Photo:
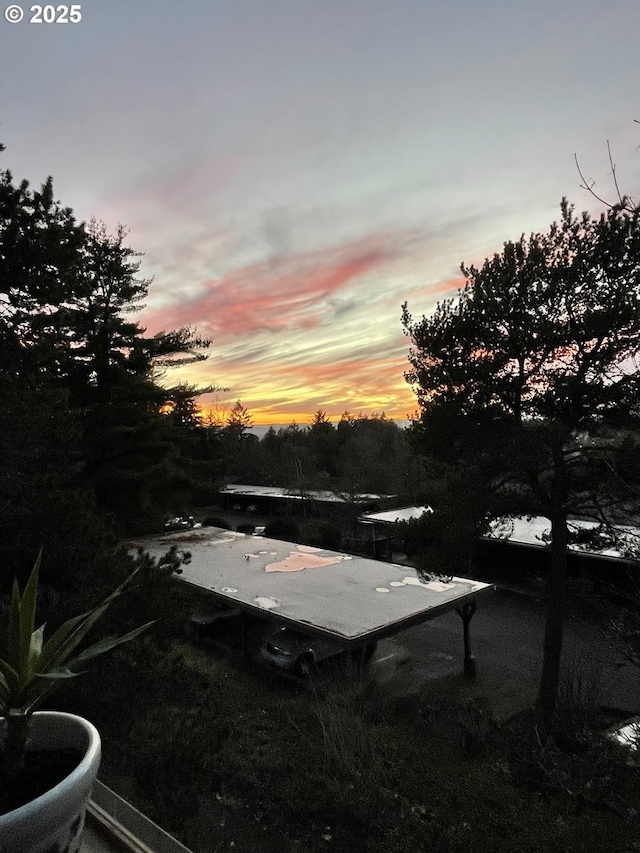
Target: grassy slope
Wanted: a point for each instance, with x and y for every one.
(216, 753)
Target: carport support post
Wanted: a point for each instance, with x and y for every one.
(356, 664)
(245, 635)
(465, 612)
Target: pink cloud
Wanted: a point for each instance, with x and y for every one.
(273, 295)
(280, 374)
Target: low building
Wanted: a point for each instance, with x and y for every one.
(378, 529)
(279, 500)
(519, 547)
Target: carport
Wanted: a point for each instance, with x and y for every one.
(381, 526)
(353, 601)
(274, 500)
(602, 554)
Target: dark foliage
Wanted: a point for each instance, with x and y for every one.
(230, 757)
(217, 521)
(529, 378)
(283, 528)
(88, 448)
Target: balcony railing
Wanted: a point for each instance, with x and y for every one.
(114, 826)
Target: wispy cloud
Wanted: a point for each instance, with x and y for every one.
(359, 376)
(277, 294)
(318, 329)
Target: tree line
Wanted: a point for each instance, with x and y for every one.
(359, 454)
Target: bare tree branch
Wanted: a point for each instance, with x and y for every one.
(624, 201)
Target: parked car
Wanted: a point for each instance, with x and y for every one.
(295, 652)
(180, 523)
(211, 619)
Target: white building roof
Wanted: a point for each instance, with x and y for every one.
(407, 513)
(293, 494)
(535, 531)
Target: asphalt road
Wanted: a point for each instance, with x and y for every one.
(506, 641)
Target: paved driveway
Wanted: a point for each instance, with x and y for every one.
(506, 640)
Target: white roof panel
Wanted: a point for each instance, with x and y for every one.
(535, 531)
(293, 494)
(352, 599)
(390, 516)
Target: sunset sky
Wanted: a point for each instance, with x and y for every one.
(294, 170)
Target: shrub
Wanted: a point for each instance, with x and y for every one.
(320, 534)
(330, 537)
(283, 528)
(216, 521)
(246, 527)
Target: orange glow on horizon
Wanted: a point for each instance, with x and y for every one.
(262, 418)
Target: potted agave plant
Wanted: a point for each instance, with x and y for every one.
(48, 760)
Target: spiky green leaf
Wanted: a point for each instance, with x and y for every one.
(56, 674)
(13, 627)
(106, 645)
(9, 676)
(31, 667)
(28, 616)
(68, 637)
(35, 651)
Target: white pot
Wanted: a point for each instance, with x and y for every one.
(53, 822)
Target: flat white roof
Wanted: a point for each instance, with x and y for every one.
(628, 734)
(351, 599)
(390, 516)
(535, 531)
(293, 494)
